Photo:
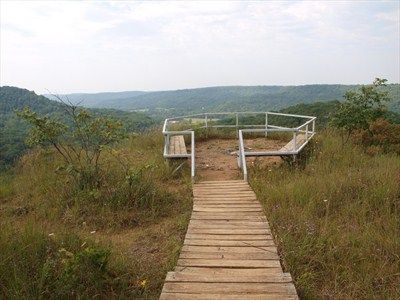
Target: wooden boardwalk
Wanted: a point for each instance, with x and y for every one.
(228, 251)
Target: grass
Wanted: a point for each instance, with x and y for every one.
(336, 220)
(126, 233)
(335, 217)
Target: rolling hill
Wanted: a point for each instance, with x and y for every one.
(13, 130)
(97, 99)
(229, 98)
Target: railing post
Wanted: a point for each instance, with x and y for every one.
(237, 124)
(242, 155)
(266, 124)
(307, 132)
(239, 160)
(206, 120)
(167, 140)
(193, 156)
(313, 126)
(294, 140)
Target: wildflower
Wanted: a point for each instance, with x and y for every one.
(94, 231)
(51, 234)
(325, 200)
(142, 283)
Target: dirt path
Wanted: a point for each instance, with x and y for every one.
(216, 159)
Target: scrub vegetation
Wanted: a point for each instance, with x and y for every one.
(117, 238)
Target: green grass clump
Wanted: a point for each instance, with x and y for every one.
(36, 265)
(337, 220)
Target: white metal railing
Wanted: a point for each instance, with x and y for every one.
(302, 133)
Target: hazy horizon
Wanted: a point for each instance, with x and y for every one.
(216, 86)
(114, 46)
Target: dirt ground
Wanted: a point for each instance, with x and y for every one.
(216, 159)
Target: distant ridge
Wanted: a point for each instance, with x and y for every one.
(222, 98)
(95, 99)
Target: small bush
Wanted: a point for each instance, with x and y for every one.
(381, 137)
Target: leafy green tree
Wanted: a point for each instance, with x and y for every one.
(361, 107)
(80, 141)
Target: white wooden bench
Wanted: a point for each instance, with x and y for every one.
(177, 145)
(300, 139)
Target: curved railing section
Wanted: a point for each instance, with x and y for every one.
(301, 134)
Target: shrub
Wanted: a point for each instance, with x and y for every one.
(362, 107)
(381, 136)
(80, 143)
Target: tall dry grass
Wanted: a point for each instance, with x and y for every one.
(337, 220)
(53, 230)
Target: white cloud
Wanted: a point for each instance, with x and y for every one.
(72, 46)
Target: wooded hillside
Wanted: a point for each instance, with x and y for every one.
(13, 130)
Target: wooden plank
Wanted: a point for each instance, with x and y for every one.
(226, 201)
(223, 201)
(221, 249)
(227, 217)
(188, 277)
(226, 209)
(228, 237)
(248, 223)
(177, 145)
(232, 213)
(229, 271)
(226, 205)
(227, 225)
(222, 181)
(228, 288)
(224, 197)
(259, 243)
(239, 256)
(217, 224)
(207, 228)
(248, 215)
(213, 296)
(223, 193)
(231, 263)
(300, 139)
(223, 187)
(228, 231)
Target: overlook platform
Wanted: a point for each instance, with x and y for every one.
(246, 124)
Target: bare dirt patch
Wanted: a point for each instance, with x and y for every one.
(216, 159)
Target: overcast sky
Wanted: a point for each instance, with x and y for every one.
(114, 46)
